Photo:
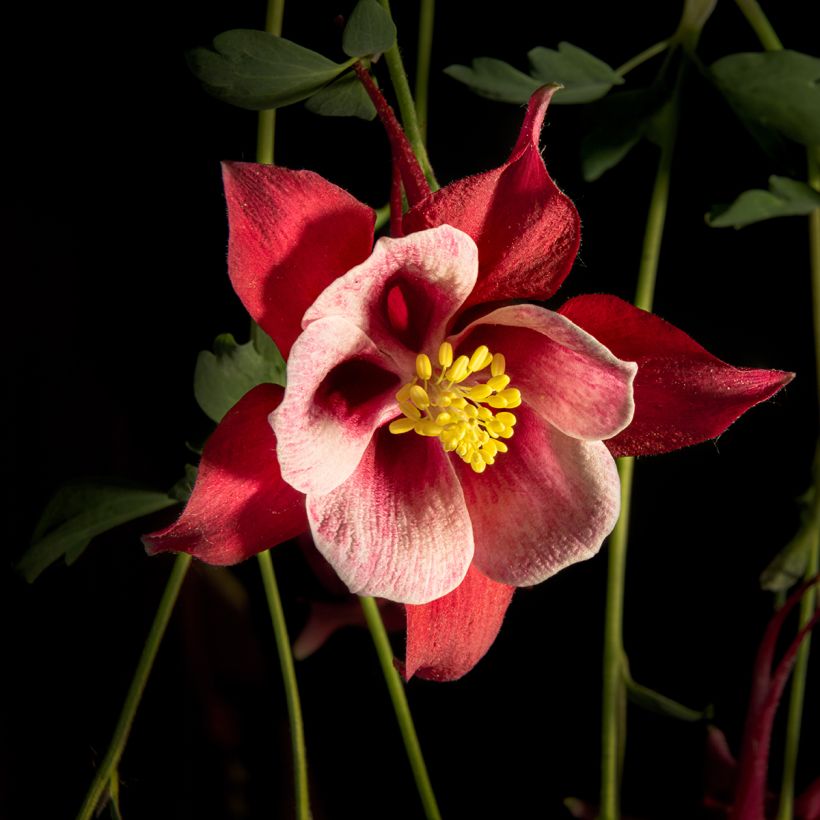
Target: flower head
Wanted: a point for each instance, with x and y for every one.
(443, 447)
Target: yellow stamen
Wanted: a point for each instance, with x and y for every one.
(453, 405)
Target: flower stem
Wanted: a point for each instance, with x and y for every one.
(112, 757)
(427, 14)
(297, 733)
(395, 687)
(614, 677)
(407, 107)
(757, 19)
(267, 119)
(643, 57)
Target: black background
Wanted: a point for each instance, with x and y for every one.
(116, 279)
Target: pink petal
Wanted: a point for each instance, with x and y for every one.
(341, 387)
(398, 527)
(292, 233)
(404, 295)
(807, 805)
(240, 506)
(527, 231)
(449, 636)
(545, 504)
(563, 373)
(683, 394)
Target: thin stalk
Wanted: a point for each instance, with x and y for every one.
(102, 779)
(407, 107)
(643, 57)
(614, 689)
(757, 19)
(267, 119)
(297, 729)
(395, 687)
(427, 14)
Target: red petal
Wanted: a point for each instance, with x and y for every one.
(448, 637)
(240, 505)
(807, 805)
(526, 230)
(683, 394)
(292, 233)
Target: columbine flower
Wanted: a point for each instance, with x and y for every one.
(441, 451)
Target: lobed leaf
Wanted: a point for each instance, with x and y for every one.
(585, 78)
(785, 197)
(344, 97)
(369, 31)
(495, 80)
(256, 70)
(221, 378)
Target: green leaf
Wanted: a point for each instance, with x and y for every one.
(257, 70)
(495, 80)
(654, 701)
(585, 78)
(221, 378)
(785, 197)
(344, 97)
(621, 121)
(789, 565)
(777, 89)
(369, 31)
(80, 511)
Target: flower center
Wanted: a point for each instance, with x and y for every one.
(451, 404)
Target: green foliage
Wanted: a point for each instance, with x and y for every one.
(221, 378)
(785, 197)
(80, 511)
(183, 488)
(344, 97)
(369, 31)
(774, 89)
(654, 701)
(256, 70)
(584, 78)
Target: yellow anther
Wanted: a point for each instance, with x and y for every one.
(427, 427)
(511, 394)
(459, 370)
(500, 446)
(419, 397)
(404, 393)
(410, 410)
(490, 447)
(507, 432)
(486, 456)
(402, 425)
(514, 403)
(498, 383)
(507, 419)
(443, 418)
(497, 401)
(484, 413)
(480, 392)
(459, 403)
(471, 411)
(424, 367)
(478, 357)
(498, 365)
(478, 464)
(445, 354)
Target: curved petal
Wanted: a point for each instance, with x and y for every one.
(240, 505)
(398, 527)
(341, 387)
(449, 636)
(404, 295)
(545, 504)
(527, 231)
(291, 234)
(563, 373)
(683, 394)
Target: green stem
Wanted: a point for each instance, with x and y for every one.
(297, 732)
(643, 57)
(407, 107)
(760, 23)
(112, 757)
(757, 19)
(614, 689)
(267, 119)
(395, 687)
(427, 14)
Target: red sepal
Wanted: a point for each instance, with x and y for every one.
(240, 505)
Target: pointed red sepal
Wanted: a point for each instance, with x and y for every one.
(683, 394)
(448, 637)
(527, 231)
(240, 505)
(291, 234)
